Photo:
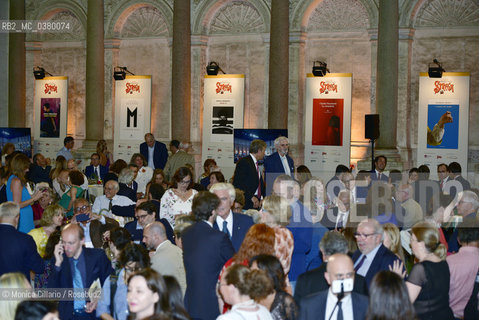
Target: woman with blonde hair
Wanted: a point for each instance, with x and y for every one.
(392, 240)
(11, 281)
(276, 213)
(428, 282)
(106, 158)
(158, 177)
(18, 192)
(51, 220)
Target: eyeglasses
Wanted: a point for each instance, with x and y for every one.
(364, 235)
(130, 269)
(80, 209)
(185, 182)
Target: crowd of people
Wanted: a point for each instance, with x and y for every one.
(273, 242)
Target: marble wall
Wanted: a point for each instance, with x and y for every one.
(236, 35)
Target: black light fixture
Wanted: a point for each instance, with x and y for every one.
(435, 71)
(320, 68)
(39, 73)
(119, 73)
(212, 69)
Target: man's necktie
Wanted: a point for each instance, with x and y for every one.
(225, 229)
(379, 176)
(78, 304)
(259, 181)
(110, 205)
(340, 311)
(97, 173)
(358, 266)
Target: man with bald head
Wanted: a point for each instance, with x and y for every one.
(77, 268)
(372, 255)
(167, 258)
(329, 305)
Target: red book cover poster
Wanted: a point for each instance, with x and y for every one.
(328, 122)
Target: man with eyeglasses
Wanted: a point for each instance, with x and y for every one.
(372, 255)
(93, 225)
(329, 305)
(146, 213)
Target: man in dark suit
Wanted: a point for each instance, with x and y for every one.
(19, 251)
(248, 177)
(278, 163)
(313, 281)
(452, 186)
(205, 251)
(235, 225)
(146, 213)
(77, 268)
(154, 152)
(372, 255)
(336, 218)
(40, 169)
(334, 185)
(377, 174)
(330, 305)
(95, 170)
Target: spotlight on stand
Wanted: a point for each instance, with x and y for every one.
(212, 69)
(119, 73)
(39, 73)
(435, 71)
(320, 68)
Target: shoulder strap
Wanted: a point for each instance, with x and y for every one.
(113, 286)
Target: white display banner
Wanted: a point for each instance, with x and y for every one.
(132, 115)
(223, 111)
(50, 106)
(443, 120)
(328, 123)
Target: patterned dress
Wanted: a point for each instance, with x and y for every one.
(172, 206)
(283, 247)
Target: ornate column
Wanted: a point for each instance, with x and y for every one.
(181, 72)
(95, 68)
(112, 48)
(296, 96)
(387, 73)
(16, 69)
(278, 65)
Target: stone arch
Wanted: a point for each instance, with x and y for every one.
(58, 10)
(209, 11)
(443, 13)
(303, 12)
(119, 16)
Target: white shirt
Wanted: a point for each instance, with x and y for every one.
(102, 203)
(151, 150)
(143, 177)
(229, 220)
(86, 231)
(367, 262)
(284, 160)
(344, 216)
(346, 306)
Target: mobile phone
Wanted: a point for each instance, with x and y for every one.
(345, 285)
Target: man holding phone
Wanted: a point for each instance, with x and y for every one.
(338, 302)
(78, 268)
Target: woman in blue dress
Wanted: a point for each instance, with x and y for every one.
(17, 191)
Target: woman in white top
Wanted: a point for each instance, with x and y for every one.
(178, 199)
(240, 287)
(144, 173)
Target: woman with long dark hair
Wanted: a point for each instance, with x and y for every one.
(389, 299)
(147, 295)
